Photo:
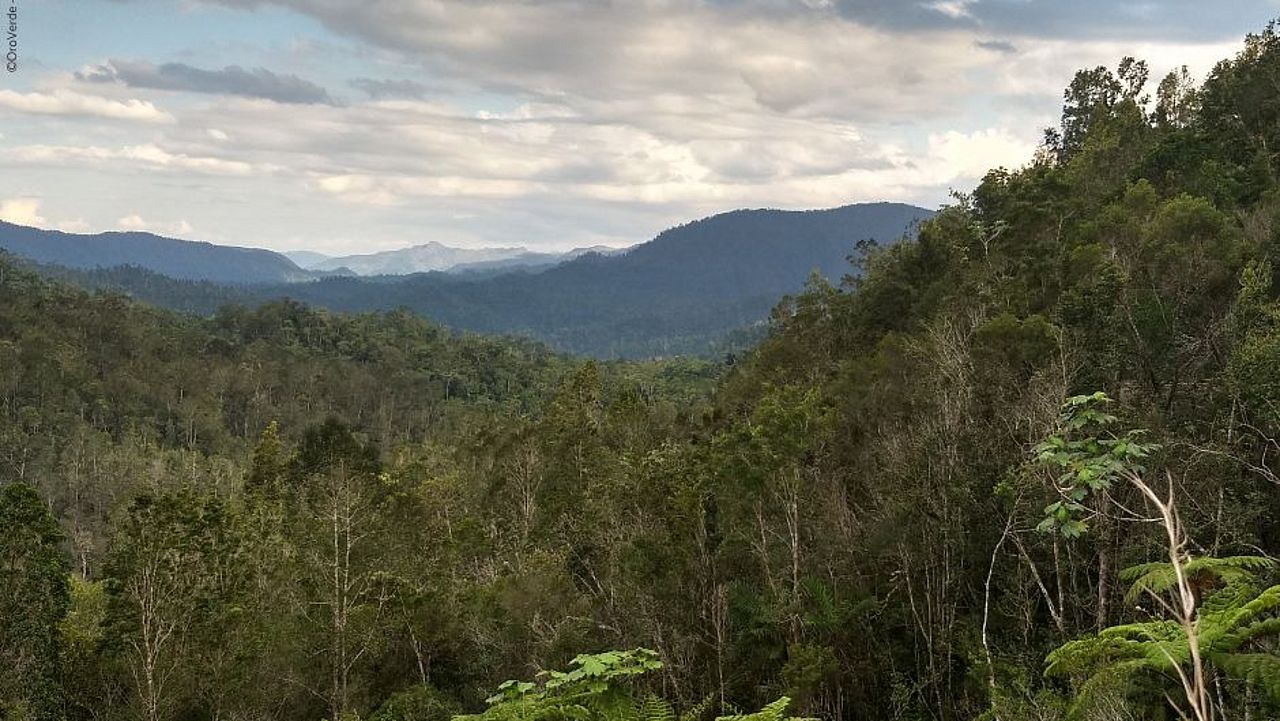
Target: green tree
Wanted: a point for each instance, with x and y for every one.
(33, 574)
(175, 575)
(341, 588)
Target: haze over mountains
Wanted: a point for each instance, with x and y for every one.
(433, 256)
(305, 258)
(680, 293)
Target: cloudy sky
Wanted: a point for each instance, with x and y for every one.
(361, 125)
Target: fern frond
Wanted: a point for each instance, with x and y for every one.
(1160, 577)
(1224, 602)
(1233, 639)
(1265, 602)
(1151, 644)
(1154, 578)
(1231, 615)
(1159, 630)
(1118, 679)
(776, 711)
(653, 708)
(1132, 573)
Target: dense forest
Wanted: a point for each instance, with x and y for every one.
(1024, 467)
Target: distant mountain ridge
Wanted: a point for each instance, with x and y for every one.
(434, 256)
(182, 259)
(199, 260)
(679, 293)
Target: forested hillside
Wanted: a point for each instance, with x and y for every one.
(680, 293)
(1021, 468)
(180, 259)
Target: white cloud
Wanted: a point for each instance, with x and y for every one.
(73, 226)
(762, 52)
(28, 212)
(567, 121)
(132, 222)
(970, 155)
(135, 222)
(66, 102)
(22, 211)
(149, 155)
(374, 190)
(954, 9)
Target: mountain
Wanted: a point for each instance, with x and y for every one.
(434, 256)
(680, 293)
(182, 259)
(416, 259)
(530, 261)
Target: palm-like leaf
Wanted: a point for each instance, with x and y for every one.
(596, 688)
(1232, 617)
(1160, 577)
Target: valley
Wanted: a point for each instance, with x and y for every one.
(1014, 458)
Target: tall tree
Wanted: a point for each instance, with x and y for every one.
(175, 574)
(34, 600)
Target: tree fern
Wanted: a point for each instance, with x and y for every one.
(594, 688)
(597, 688)
(1160, 578)
(1231, 618)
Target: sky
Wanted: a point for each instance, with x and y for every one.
(349, 126)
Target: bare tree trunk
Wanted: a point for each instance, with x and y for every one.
(720, 622)
(1058, 578)
(155, 631)
(335, 690)
(1196, 685)
(986, 613)
(1104, 581)
(793, 537)
(1054, 611)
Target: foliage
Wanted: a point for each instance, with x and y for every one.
(594, 687)
(419, 703)
(601, 686)
(1235, 621)
(33, 574)
(1083, 463)
(775, 711)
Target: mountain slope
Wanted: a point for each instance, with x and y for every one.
(678, 294)
(183, 259)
